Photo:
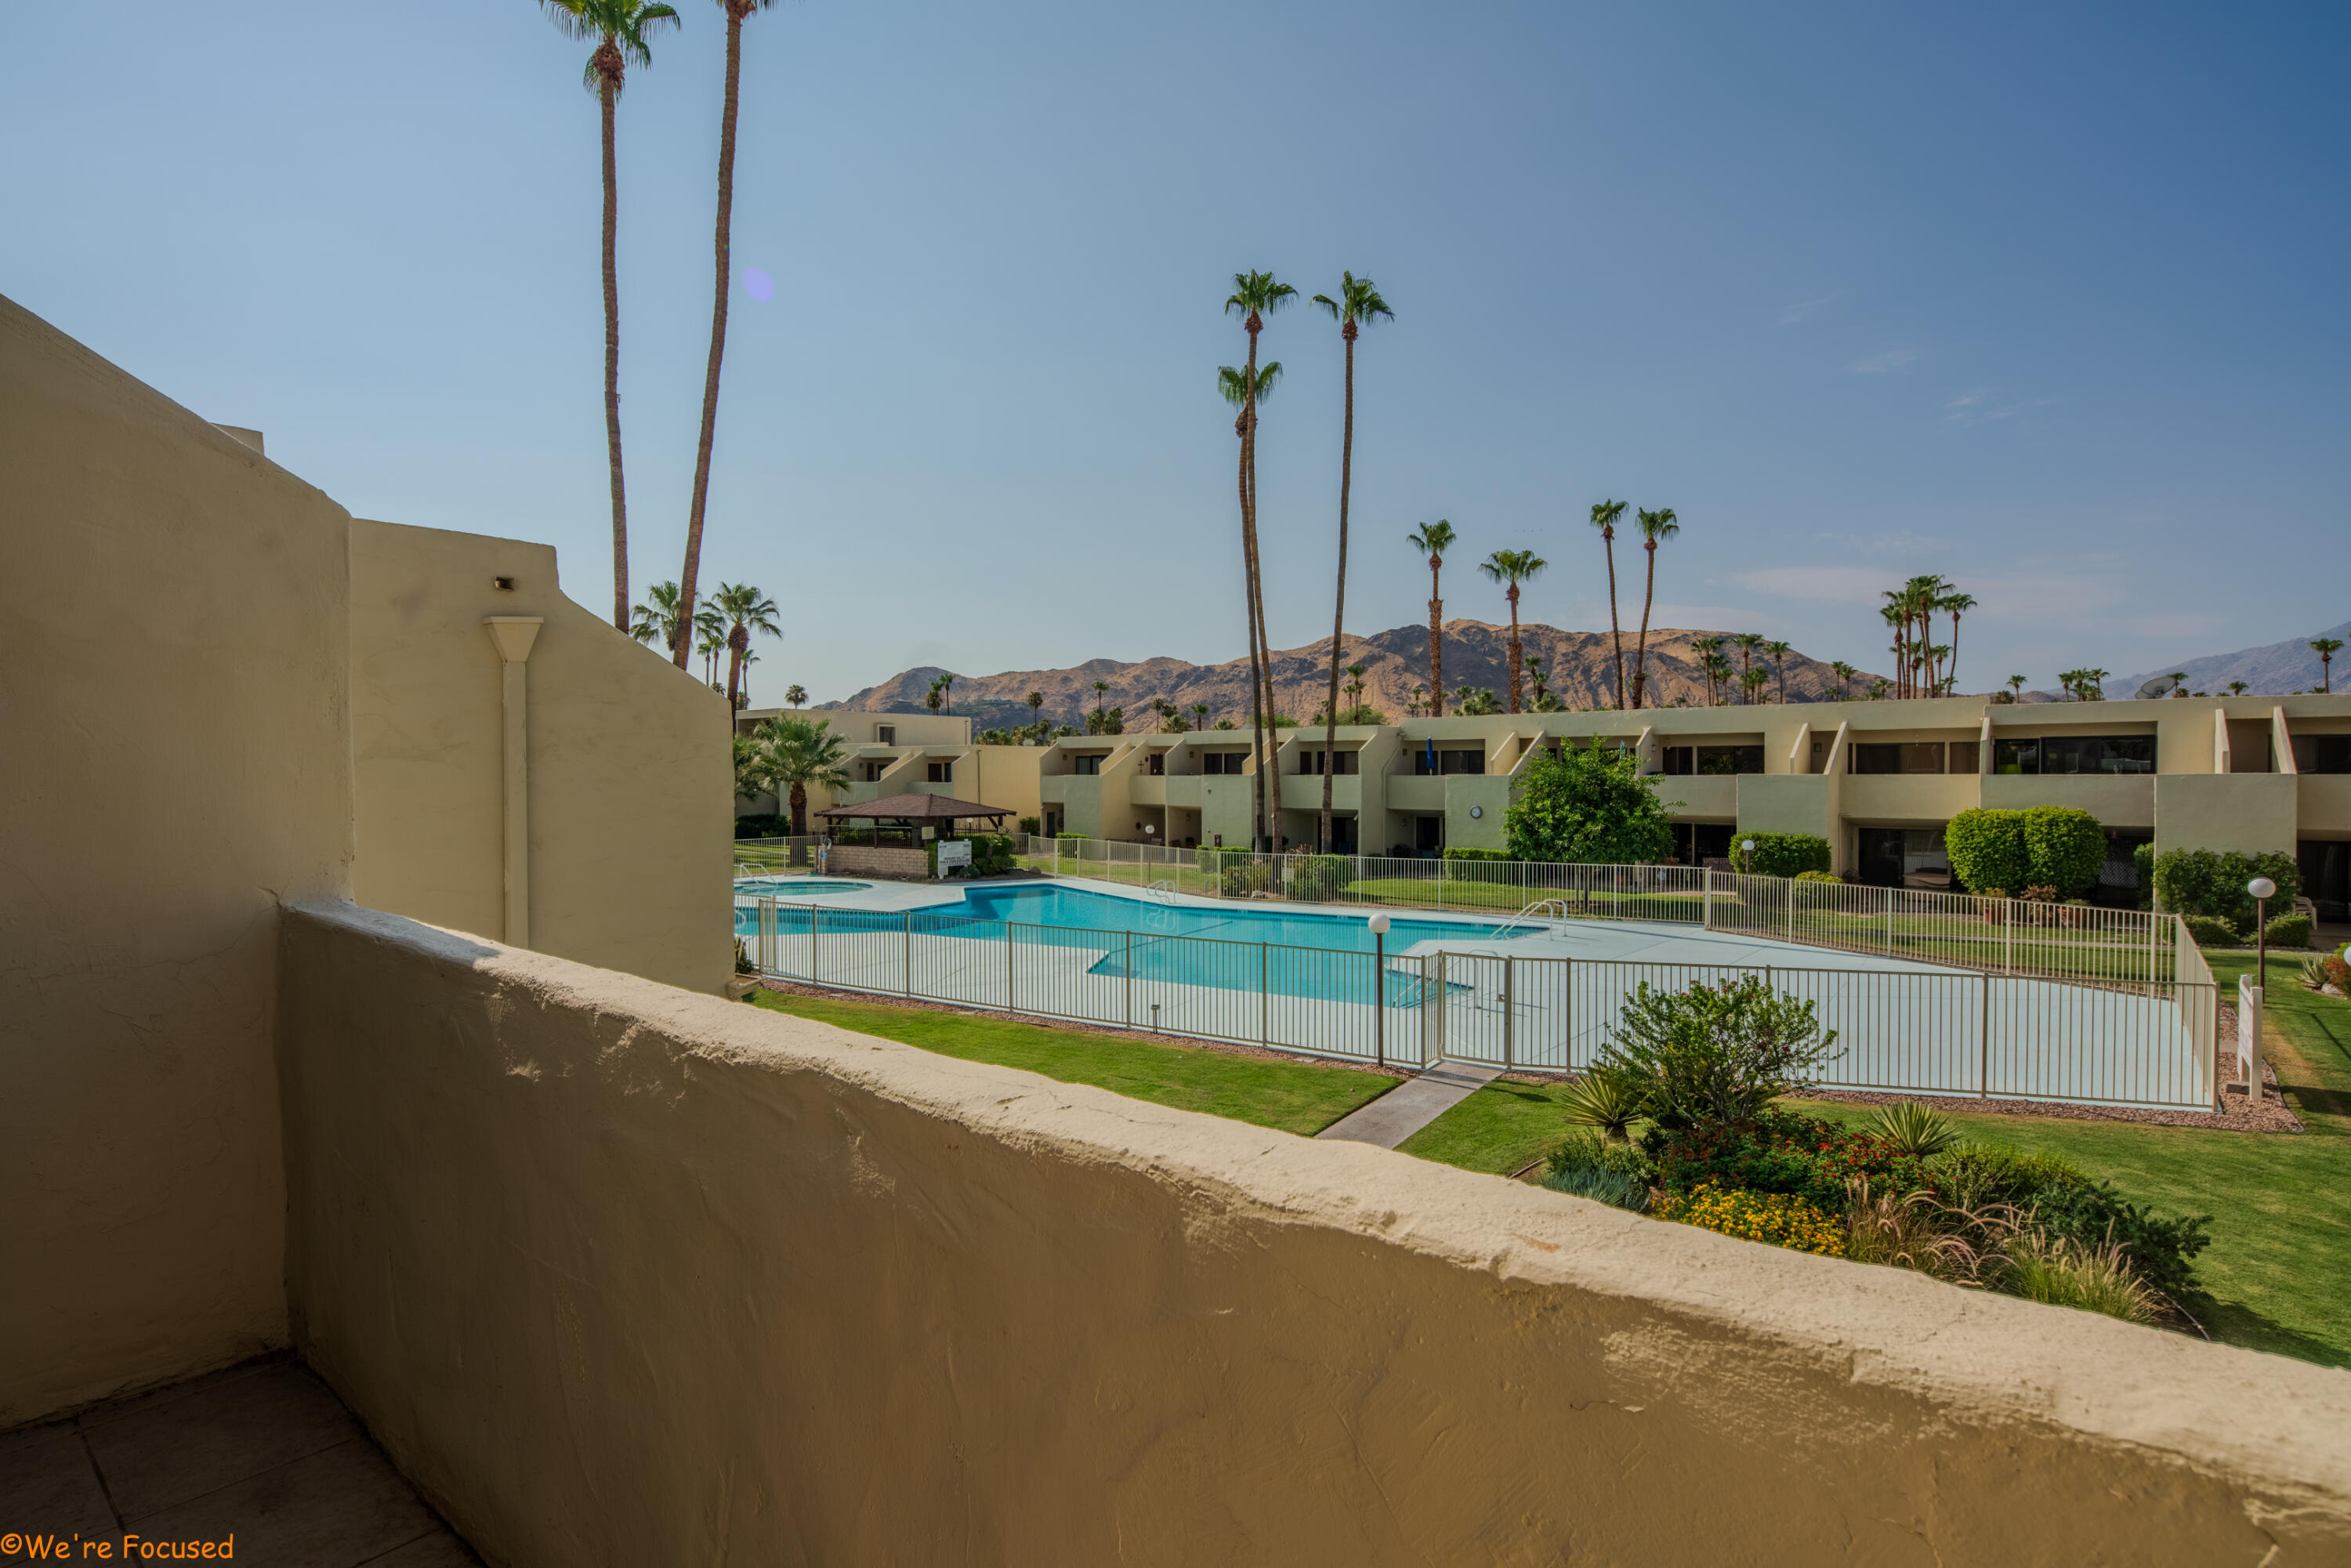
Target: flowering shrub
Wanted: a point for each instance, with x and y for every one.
(1779, 1219)
(1779, 1152)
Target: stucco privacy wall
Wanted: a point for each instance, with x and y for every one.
(623, 1274)
(631, 781)
(172, 679)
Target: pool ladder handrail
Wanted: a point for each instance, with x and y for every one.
(1162, 889)
(1504, 928)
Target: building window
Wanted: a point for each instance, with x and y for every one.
(2016, 757)
(886, 735)
(1158, 764)
(1711, 759)
(1087, 765)
(1426, 762)
(941, 772)
(1224, 762)
(1342, 762)
(2097, 754)
(2321, 753)
(873, 772)
(1903, 757)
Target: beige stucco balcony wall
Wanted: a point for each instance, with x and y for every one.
(1915, 799)
(2118, 801)
(628, 813)
(1700, 796)
(2323, 805)
(175, 670)
(621, 1274)
(2250, 812)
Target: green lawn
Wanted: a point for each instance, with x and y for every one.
(1293, 1096)
(2279, 1269)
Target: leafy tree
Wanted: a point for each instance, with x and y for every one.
(1714, 1055)
(799, 753)
(1358, 306)
(736, 10)
(2213, 882)
(1779, 855)
(752, 768)
(1586, 805)
(2006, 852)
(620, 28)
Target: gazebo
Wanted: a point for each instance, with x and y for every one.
(895, 847)
(912, 813)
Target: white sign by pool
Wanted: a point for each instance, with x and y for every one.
(954, 853)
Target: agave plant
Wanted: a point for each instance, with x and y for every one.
(1613, 1187)
(1914, 1129)
(1604, 1101)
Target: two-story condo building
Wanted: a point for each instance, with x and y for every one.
(1878, 779)
(906, 754)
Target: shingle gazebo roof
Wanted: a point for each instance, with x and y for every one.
(917, 808)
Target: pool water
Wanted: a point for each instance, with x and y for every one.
(1044, 904)
(796, 886)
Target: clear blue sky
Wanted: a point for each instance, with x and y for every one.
(2051, 299)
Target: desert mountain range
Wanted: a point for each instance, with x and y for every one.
(1578, 665)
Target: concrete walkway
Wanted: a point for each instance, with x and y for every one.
(1412, 1104)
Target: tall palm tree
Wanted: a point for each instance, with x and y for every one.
(1256, 296)
(1755, 681)
(709, 642)
(1707, 649)
(1433, 539)
(1199, 716)
(1778, 654)
(2236, 688)
(745, 610)
(1512, 567)
(620, 28)
(1358, 306)
(799, 753)
(1718, 679)
(1845, 674)
(2326, 648)
(947, 688)
(2015, 687)
(1604, 518)
(1955, 605)
(796, 696)
(1893, 613)
(736, 10)
(1656, 528)
(656, 619)
(1037, 709)
(1100, 687)
(1747, 643)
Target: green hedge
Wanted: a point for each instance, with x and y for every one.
(1779, 855)
(2288, 931)
(2213, 882)
(2212, 931)
(1454, 855)
(762, 827)
(2005, 853)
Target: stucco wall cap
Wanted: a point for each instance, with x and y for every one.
(1729, 1319)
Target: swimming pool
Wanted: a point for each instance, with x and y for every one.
(1039, 903)
(797, 886)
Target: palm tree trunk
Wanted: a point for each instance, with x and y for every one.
(1514, 647)
(1954, 666)
(612, 365)
(1339, 610)
(1259, 831)
(1641, 654)
(722, 266)
(1436, 644)
(800, 809)
(1615, 632)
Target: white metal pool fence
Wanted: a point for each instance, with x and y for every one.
(2078, 943)
(1998, 1036)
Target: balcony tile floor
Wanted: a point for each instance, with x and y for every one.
(262, 1450)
